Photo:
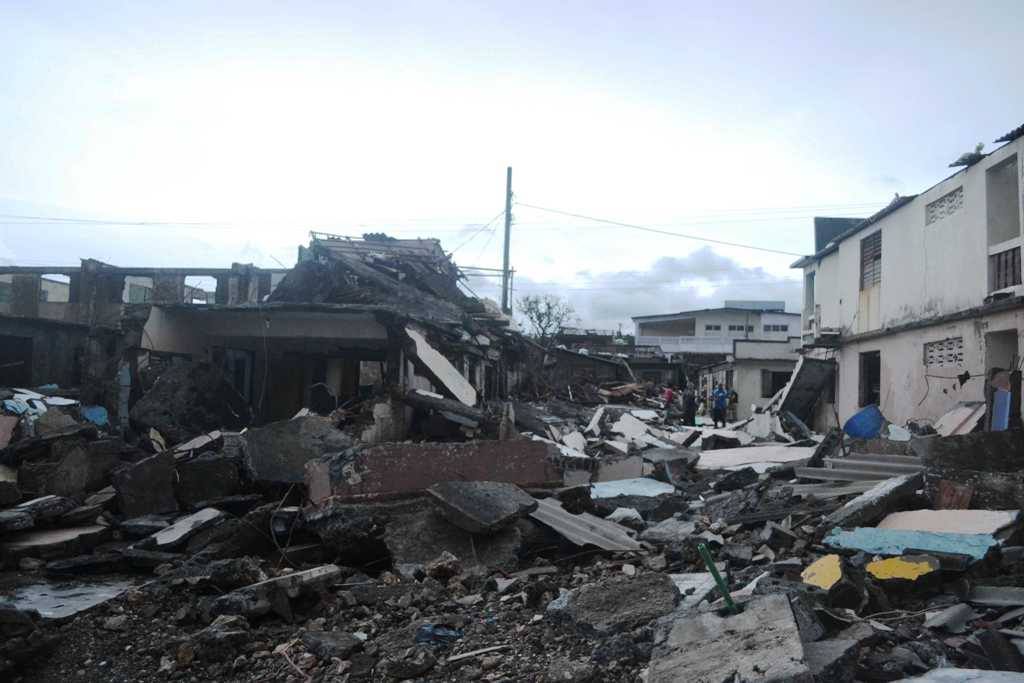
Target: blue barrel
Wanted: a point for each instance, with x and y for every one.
(865, 424)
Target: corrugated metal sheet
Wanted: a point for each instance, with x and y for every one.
(583, 529)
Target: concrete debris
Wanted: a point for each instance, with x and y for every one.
(481, 507)
(762, 643)
(147, 486)
(278, 452)
(584, 528)
(875, 503)
(616, 604)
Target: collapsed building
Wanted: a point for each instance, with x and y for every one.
(351, 470)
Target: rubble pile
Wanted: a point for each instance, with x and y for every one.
(567, 541)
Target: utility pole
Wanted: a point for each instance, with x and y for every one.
(506, 303)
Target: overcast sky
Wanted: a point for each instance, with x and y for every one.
(263, 121)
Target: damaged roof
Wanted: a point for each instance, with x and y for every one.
(1012, 135)
(413, 276)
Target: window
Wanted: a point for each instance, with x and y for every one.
(5, 292)
(772, 382)
(776, 328)
(1004, 269)
(946, 205)
(44, 295)
(712, 328)
(870, 378)
(735, 328)
(945, 353)
(871, 260)
(1002, 201)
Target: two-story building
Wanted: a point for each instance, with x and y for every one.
(713, 330)
(920, 302)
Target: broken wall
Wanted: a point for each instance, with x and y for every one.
(53, 351)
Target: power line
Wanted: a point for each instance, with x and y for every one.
(479, 230)
(657, 231)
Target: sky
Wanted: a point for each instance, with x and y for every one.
(201, 134)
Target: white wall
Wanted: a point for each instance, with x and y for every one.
(927, 270)
(911, 391)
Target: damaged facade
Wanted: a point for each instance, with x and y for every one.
(922, 302)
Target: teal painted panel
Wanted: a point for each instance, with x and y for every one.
(897, 541)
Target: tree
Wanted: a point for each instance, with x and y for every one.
(547, 315)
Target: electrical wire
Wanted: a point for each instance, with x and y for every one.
(658, 231)
(480, 230)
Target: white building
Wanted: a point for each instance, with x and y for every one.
(713, 330)
(920, 301)
(756, 369)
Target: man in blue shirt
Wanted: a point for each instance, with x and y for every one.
(719, 402)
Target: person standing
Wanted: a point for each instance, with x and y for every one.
(689, 407)
(719, 402)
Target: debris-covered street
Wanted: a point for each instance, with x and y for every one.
(576, 530)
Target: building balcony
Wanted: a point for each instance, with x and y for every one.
(688, 344)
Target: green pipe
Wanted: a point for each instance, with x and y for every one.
(722, 588)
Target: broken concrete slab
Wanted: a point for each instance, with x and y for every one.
(53, 543)
(481, 507)
(952, 619)
(440, 369)
(147, 486)
(832, 660)
(16, 520)
(575, 441)
(671, 530)
(401, 468)
(206, 477)
(809, 379)
(641, 486)
(140, 527)
(762, 644)
(693, 587)
(263, 597)
(897, 541)
(753, 455)
(183, 529)
(996, 596)
(953, 675)
(584, 528)
(278, 452)
(615, 605)
(876, 502)
(47, 508)
(954, 521)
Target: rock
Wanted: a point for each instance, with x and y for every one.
(219, 640)
(418, 536)
(616, 604)
(832, 660)
(671, 530)
(627, 517)
(53, 421)
(737, 479)
(443, 567)
(207, 477)
(273, 594)
(777, 538)
(147, 486)
(278, 452)
(570, 671)
(116, 623)
(189, 399)
(481, 507)
(16, 520)
(741, 554)
(329, 644)
(411, 663)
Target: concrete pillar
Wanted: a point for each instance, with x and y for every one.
(25, 295)
(168, 289)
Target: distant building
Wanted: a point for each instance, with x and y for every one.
(756, 370)
(713, 330)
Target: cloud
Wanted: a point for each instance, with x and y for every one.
(702, 279)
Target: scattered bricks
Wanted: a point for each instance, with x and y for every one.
(832, 660)
(481, 507)
(330, 644)
(762, 644)
(877, 502)
(396, 468)
(278, 452)
(777, 538)
(617, 604)
(147, 486)
(204, 478)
